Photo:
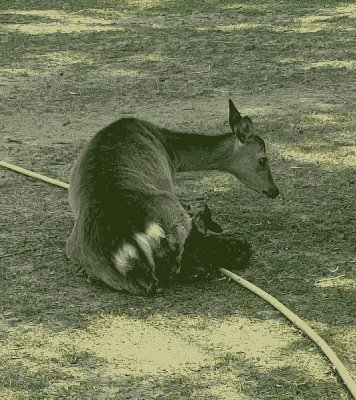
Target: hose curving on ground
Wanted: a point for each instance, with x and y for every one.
(303, 326)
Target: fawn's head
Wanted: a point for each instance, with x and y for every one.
(202, 221)
(249, 162)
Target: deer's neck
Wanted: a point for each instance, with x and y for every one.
(192, 152)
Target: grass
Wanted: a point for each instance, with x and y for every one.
(79, 65)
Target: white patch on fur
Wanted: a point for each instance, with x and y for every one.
(155, 231)
(150, 240)
(144, 244)
(123, 256)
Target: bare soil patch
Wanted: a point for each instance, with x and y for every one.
(69, 68)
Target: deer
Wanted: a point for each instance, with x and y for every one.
(129, 225)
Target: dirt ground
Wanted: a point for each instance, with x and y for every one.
(69, 68)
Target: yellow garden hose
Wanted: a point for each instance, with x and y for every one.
(27, 172)
(303, 326)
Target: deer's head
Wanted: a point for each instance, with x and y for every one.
(248, 161)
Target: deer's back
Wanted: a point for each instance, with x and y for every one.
(122, 167)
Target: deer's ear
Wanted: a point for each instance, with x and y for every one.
(234, 116)
(244, 129)
(241, 126)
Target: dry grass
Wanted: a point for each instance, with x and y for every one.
(68, 68)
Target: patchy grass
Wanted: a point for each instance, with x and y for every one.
(67, 69)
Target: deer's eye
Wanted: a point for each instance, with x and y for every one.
(262, 161)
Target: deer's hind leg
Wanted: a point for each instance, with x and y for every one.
(173, 222)
(106, 268)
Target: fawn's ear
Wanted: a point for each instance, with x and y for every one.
(241, 126)
(200, 225)
(203, 221)
(203, 225)
(214, 227)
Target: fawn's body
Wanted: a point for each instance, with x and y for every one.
(130, 227)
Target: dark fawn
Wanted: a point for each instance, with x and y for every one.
(205, 253)
(130, 227)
